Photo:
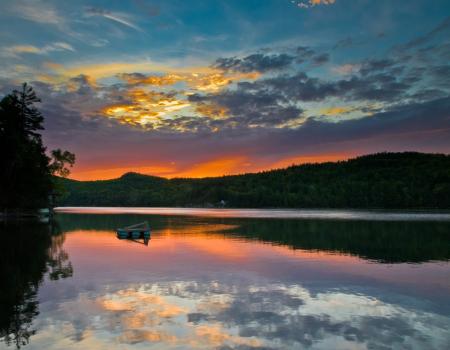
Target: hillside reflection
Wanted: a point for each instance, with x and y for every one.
(29, 251)
(381, 241)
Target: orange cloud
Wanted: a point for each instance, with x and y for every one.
(321, 2)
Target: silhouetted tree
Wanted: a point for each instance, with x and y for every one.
(60, 160)
(25, 169)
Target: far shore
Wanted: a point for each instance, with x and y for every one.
(321, 214)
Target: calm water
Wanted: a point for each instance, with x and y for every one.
(236, 280)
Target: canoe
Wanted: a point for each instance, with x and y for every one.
(141, 230)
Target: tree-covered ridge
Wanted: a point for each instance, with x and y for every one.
(383, 180)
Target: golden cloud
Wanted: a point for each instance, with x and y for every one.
(331, 111)
(311, 3)
(322, 2)
(146, 108)
(211, 111)
(205, 81)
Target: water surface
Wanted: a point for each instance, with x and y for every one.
(336, 214)
(212, 281)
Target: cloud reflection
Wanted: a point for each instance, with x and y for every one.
(239, 316)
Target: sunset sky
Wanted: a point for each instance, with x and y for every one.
(207, 88)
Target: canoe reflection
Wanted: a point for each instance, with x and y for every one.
(143, 241)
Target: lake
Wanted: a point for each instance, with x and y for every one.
(227, 279)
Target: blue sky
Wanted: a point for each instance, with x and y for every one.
(203, 88)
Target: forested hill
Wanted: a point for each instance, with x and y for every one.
(383, 180)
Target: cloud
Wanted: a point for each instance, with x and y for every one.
(37, 11)
(250, 109)
(321, 59)
(444, 26)
(376, 65)
(321, 2)
(346, 69)
(347, 43)
(117, 17)
(372, 84)
(16, 50)
(262, 108)
(148, 109)
(257, 62)
(304, 53)
(272, 62)
(338, 110)
(72, 123)
(210, 81)
(312, 3)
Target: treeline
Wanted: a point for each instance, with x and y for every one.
(383, 180)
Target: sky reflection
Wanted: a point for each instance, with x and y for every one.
(211, 315)
(201, 283)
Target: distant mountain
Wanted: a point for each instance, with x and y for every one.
(382, 180)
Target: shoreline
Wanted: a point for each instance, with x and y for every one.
(325, 214)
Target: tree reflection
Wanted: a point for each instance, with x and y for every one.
(28, 252)
(381, 241)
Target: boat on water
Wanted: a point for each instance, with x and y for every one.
(141, 230)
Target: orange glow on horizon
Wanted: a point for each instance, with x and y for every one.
(221, 166)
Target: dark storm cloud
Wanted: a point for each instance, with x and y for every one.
(257, 62)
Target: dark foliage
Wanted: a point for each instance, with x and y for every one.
(25, 180)
(384, 180)
(28, 251)
(25, 170)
